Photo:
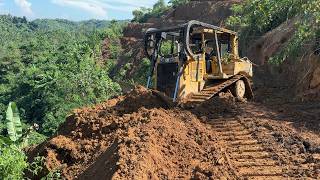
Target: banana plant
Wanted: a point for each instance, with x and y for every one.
(16, 135)
(13, 123)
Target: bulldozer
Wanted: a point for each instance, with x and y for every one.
(195, 61)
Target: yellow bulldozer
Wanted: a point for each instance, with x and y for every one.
(195, 61)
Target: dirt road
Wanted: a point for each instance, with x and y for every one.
(138, 137)
(263, 144)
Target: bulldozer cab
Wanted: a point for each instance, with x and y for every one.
(190, 57)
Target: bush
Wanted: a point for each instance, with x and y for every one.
(142, 14)
(176, 3)
(140, 77)
(253, 18)
(12, 162)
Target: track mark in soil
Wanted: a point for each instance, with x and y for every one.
(288, 148)
(248, 156)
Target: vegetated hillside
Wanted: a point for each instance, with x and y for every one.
(49, 67)
(63, 24)
(300, 76)
(282, 38)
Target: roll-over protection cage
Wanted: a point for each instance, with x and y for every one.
(154, 37)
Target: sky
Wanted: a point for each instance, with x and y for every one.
(73, 9)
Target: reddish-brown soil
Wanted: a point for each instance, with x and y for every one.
(137, 136)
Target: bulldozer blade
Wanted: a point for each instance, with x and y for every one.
(163, 97)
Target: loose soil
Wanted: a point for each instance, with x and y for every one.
(137, 136)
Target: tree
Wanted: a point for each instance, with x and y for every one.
(176, 3)
(139, 14)
(142, 14)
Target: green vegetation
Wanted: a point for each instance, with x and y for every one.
(142, 14)
(141, 76)
(50, 67)
(63, 24)
(14, 125)
(12, 159)
(176, 3)
(113, 34)
(12, 162)
(254, 18)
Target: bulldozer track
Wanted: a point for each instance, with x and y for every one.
(211, 91)
(249, 158)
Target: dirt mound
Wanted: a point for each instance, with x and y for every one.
(138, 98)
(133, 137)
(137, 136)
(223, 105)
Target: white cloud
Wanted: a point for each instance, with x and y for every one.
(133, 3)
(101, 7)
(25, 6)
(93, 7)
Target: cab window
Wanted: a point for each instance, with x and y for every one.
(169, 47)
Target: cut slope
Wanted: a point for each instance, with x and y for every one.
(298, 76)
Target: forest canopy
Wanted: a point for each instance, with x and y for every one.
(49, 67)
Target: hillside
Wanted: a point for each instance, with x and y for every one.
(81, 83)
(62, 24)
(39, 59)
(48, 68)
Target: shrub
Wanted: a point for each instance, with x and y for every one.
(12, 158)
(253, 18)
(176, 3)
(142, 14)
(12, 162)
